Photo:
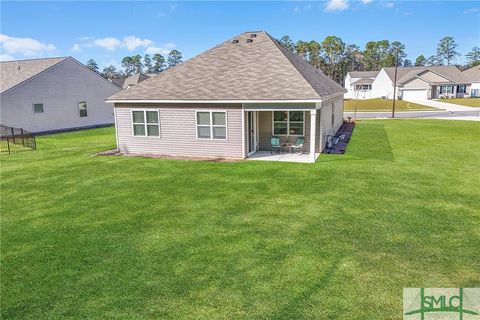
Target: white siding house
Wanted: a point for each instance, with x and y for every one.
(413, 83)
(53, 94)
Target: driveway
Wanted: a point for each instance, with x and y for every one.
(444, 105)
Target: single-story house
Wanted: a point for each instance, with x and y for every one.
(52, 94)
(413, 83)
(128, 82)
(359, 84)
(472, 75)
(228, 102)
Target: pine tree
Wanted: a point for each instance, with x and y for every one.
(92, 65)
(420, 61)
(147, 63)
(446, 50)
(473, 57)
(174, 58)
(158, 63)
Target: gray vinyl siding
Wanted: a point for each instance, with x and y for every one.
(60, 89)
(265, 126)
(329, 107)
(178, 133)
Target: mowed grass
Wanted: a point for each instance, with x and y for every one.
(96, 237)
(468, 102)
(383, 105)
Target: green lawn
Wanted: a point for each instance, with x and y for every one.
(469, 102)
(97, 237)
(383, 105)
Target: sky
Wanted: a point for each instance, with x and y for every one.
(107, 31)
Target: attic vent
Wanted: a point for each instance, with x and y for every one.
(253, 35)
(249, 40)
(18, 68)
(235, 41)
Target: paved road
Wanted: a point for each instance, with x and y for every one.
(416, 114)
(450, 111)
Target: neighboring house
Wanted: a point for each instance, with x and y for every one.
(125, 83)
(228, 102)
(418, 83)
(359, 84)
(53, 94)
(472, 75)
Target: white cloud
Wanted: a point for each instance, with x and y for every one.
(132, 42)
(389, 5)
(336, 5)
(76, 48)
(25, 46)
(161, 50)
(366, 1)
(6, 57)
(112, 43)
(108, 43)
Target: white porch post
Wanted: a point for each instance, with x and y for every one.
(313, 127)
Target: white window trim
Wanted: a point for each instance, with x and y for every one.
(288, 125)
(446, 85)
(78, 108)
(145, 123)
(211, 125)
(33, 108)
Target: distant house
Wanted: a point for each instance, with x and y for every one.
(359, 84)
(413, 83)
(53, 94)
(229, 102)
(472, 76)
(125, 83)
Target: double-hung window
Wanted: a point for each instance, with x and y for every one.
(212, 125)
(288, 123)
(145, 123)
(462, 89)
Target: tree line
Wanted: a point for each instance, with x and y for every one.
(137, 64)
(336, 58)
(331, 55)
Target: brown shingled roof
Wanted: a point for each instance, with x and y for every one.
(472, 74)
(363, 74)
(406, 73)
(250, 66)
(12, 73)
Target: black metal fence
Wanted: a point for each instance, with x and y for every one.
(16, 139)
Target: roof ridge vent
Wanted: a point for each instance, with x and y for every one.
(249, 40)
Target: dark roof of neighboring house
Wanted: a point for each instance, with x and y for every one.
(118, 81)
(406, 73)
(13, 73)
(125, 83)
(250, 66)
(363, 81)
(363, 74)
(472, 74)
